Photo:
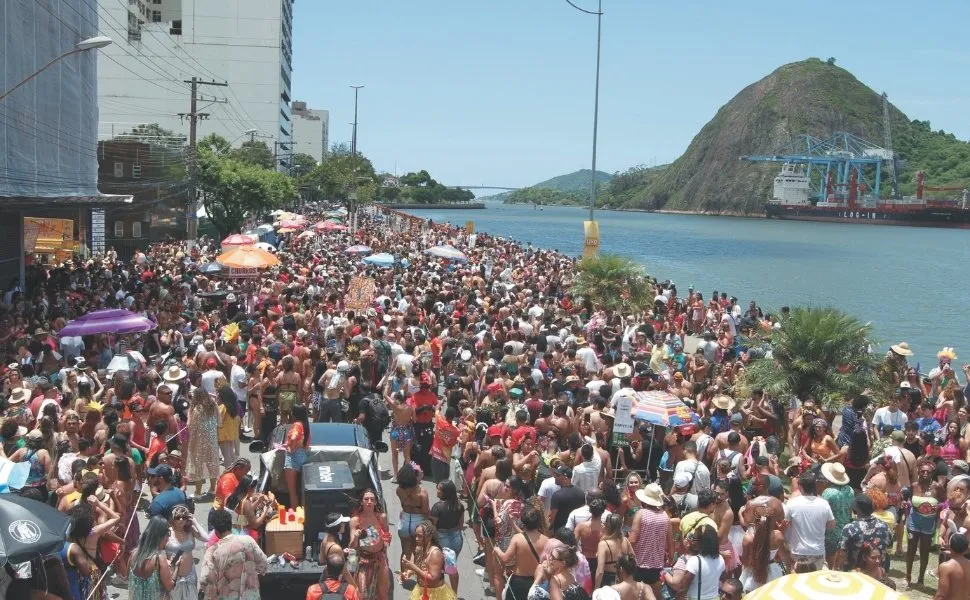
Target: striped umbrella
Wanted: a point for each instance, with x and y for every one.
(662, 408)
(823, 585)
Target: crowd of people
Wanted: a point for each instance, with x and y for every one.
(488, 378)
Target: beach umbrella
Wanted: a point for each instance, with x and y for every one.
(359, 249)
(662, 408)
(264, 228)
(824, 585)
(245, 257)
(237, 239)
(381, 259)
(30, 529)
(13, 475)
(446, 252)
(111, 320)
(291, 224)
(211, 268)
(266, 246)
(329, 226)
(305, 235)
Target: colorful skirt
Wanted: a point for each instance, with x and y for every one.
(442, 592)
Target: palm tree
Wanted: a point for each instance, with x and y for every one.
(613, 283)
(818, 352)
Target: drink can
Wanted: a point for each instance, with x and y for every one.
(352, 560)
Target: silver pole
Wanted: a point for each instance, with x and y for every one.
(596, 109)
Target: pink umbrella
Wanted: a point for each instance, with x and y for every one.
(291, 224)
(329, 226)
(238, 239)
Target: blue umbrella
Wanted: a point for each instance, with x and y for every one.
(381, 259)
(212, 267)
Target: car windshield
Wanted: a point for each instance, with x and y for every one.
(332, 434)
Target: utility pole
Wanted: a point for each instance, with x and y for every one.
(194, 116)
(353, 152)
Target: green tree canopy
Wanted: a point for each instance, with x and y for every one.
(821, 353)
(232, 190)
(302, 165)
(613, 283)
(255, 152)
(334, 178)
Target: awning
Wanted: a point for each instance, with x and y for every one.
(64, 201)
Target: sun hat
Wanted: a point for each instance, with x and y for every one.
(174, 373)
(334, 519)
(652, 495)
(905, 385)
(902, 349)
(835, 472)
(622, 370)
(17, 396)
(723, 402)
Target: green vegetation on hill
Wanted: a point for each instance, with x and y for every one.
(571, 188)
(808, 97)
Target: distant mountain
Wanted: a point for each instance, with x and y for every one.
(571, 188)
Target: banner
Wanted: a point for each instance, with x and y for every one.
(240, 272)
(360, 294)
(592, 242)
(623, 419)
(469, 227)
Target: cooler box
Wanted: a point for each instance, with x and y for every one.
(327, 487)
(284, 537)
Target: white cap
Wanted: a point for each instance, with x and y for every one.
(343, 365)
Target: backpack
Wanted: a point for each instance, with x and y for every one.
(379, 413)
(337, 595)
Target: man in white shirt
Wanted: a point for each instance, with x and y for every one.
(547, 488)
(583, 514)
(588, 356)
(586, 475)
(808, 516)
(693, 468)
(238, 382)
(891, 415)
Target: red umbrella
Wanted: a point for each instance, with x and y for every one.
(238, 239)
(291, 224)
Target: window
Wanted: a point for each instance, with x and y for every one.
(136, 170)
(156, 1)
(176, 28)
(136, 229)
(119, 229)
(156, 16)
(119, 169)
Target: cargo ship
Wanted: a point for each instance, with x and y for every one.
(851, 202)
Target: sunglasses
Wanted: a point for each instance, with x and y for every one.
(180, 518)
(723, 593)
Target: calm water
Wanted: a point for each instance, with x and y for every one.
(912, 283)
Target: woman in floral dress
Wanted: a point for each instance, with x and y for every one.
(203, 442)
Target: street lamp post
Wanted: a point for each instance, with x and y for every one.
(592, 230)
(89, 44)
(352, 196)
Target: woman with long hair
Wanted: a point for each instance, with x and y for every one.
(448, 517)
(203, 448)
(297, 440)
(252, 509)
(703, 567)
(821, 446)
(152, 577)
(181, 541)
(612, 546)
(428, 565)
(628, 499)
(589, 533)
(270, 397)
(924, 512)
(523, 554)
(870, 562)
(414, 509)
(760, 546)
(954, 447)
(34, 453)
(228, 432)
(369, 535)
(626, 585)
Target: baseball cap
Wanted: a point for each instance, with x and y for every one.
(497, 430)
(681, 480)
(897, 436)
(563, 471)
(737, 418)
(163, 471)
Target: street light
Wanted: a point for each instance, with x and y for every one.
(592, 230)
(89, 44)
(352, 197)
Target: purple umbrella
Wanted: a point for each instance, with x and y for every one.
(112, 320)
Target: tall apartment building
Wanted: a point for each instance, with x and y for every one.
(311, 130)
(159, 44)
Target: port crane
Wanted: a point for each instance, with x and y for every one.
(842, 165)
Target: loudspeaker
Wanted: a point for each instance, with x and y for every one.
(327, 487)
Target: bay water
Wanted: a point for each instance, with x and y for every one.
(911, 283)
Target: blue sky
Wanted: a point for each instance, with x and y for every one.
(500, 92)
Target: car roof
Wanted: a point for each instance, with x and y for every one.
(338, 434)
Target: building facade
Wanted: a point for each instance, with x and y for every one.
(311, 131)
(162, 44)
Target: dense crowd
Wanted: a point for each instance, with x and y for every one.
(486, 376)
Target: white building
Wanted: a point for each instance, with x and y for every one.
(161, 44)
(311, 130)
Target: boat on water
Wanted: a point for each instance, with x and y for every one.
(851, 202)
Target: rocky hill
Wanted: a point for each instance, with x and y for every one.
(809, 97)
(571, 188)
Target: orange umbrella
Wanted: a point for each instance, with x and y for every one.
(247, 257)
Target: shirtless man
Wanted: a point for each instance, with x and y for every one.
(162, 410)
(560, 422)
(597, 422)
(721, 440)
(956, 518)
(955, 573)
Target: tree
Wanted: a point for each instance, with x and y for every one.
(255, 152)
(334, 178)
(613, 283)
(233, 190)
(302, 165)
(818, 352)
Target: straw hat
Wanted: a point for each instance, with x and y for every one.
(723, 402)
(18, 396)
(835, 472)
(902, 349)
(622, 370)
(652, 495)
(174, 373)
